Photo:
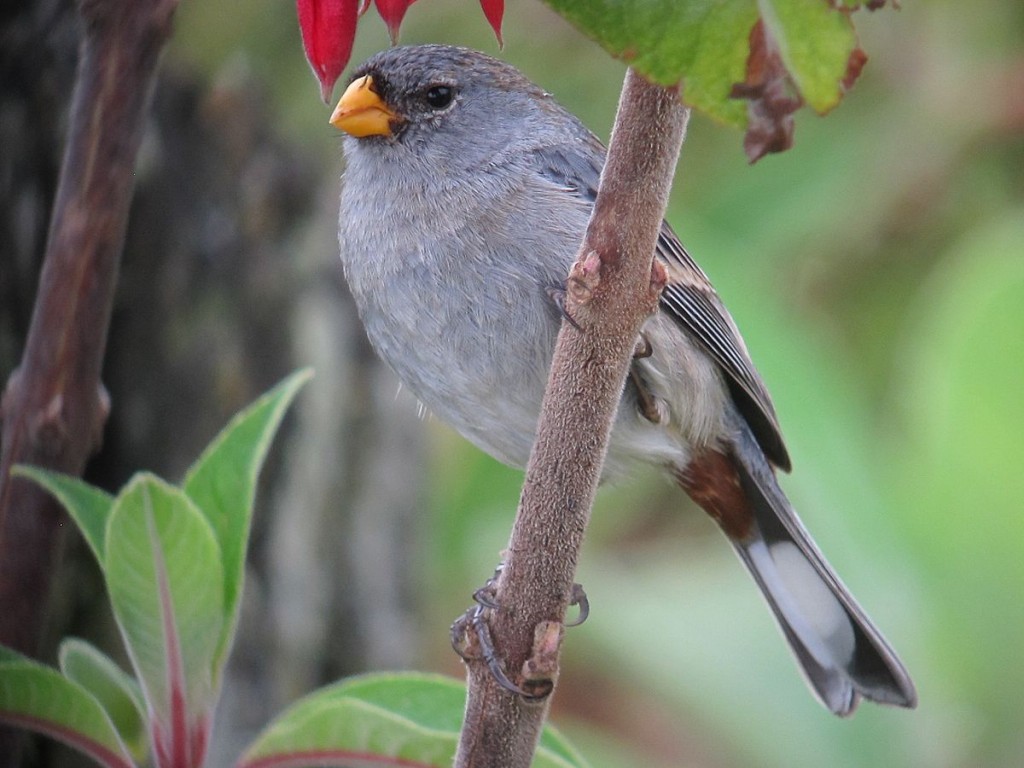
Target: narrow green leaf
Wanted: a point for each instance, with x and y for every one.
(409, 717)
(117, 692)
(38, 699)
(222, 483)
(164, 575)
(88, 506)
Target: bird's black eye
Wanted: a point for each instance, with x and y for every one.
(439, 96)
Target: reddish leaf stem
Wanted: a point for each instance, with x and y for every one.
(98, 752)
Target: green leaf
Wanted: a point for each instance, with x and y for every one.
(222, 483)
(815, 42)
(39, 699)
(9, 654)
(409, 717)
(164, 575)
(117, 692)
(704, 44)
(88, 506)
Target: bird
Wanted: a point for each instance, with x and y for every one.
(466, 193)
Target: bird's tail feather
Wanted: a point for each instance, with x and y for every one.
(843, 655)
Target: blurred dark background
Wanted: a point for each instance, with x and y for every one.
(876, 270)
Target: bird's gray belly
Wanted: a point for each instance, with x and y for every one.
(475, 352)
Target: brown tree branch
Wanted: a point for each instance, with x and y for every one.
(612, 290)
(53, 408)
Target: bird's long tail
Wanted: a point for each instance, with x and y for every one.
(843, 656)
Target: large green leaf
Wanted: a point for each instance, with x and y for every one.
(381, 719)
(164, 574)
(704, 45)
(89, 507)
(38, 698)
(222, 483)
(117, 692)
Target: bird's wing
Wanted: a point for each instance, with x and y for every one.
(692, 302)
(688, 298)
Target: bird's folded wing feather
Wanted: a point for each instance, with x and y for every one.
(689, 298)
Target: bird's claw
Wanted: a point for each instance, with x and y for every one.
(475, 621)
(557, 295)
(486, 596)
(578, 597)
(643, 348)
(646, 403)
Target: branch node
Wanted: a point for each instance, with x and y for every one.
(584, 277)
(540, 670)
(49, 432)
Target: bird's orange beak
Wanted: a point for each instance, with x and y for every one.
(361, 111)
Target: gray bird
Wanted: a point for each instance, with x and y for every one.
(466, 194)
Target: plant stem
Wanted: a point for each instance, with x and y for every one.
(53, 407)
(612, 289)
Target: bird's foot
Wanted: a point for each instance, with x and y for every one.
(471, 636)
(557, 295)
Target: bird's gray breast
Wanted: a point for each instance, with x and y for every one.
(453, 288)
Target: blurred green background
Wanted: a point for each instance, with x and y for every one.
(877, 273)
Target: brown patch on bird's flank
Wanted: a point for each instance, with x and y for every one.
(712, 481)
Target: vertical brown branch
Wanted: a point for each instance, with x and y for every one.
(612, 290)
(53, 408)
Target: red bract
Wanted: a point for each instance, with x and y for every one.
(393, 11)
(494, 10)
(328, 30)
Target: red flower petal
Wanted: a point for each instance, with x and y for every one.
(393, 11)
(328, 30)
(494, 10)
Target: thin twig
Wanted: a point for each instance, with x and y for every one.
(612, 289)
